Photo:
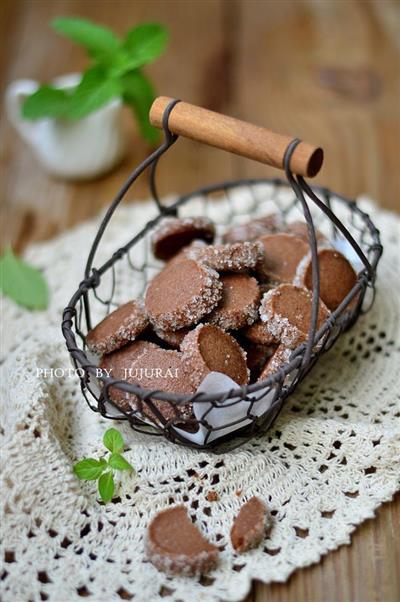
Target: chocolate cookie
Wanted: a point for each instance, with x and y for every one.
(286, 312)
(176, 546)
(117, 365)
(239, 303)
(236, 257)
(337, 276)
(279, 358)
(253, 229)
(173, 233)
(208, 348)
(162, 370)
(181, 294)
(250, 526)
(124, 324)
(258, 334)
(282, 254)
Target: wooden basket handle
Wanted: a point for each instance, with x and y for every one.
(236, 136)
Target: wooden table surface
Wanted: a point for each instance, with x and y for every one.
(326, 71)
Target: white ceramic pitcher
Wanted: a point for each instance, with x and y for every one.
(69, 149)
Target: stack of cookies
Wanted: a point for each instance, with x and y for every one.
(238, 307)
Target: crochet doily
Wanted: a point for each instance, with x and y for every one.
(329, 461)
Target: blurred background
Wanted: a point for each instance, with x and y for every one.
(325, 71)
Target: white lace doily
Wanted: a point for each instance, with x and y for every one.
(329, 461)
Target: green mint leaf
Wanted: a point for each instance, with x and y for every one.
(106, 486)
(45, 102)
(113, 441)
(22, 282)
(145, 43)
(89, 469)
(93, 92)
(139, 94)
(99, 41)
(119, 463)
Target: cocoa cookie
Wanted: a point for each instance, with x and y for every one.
(253, 229)
(181, 294)
(236, 257)
(279, 358)
(337, 276)
(300, 230)
(162, 370)
(286, 312)
(175, 545)
(239, 303)
(208, 348)
(282, 254)
(117, 364)
(258, 334)
(174, 338)
(173, 233)
(250, 526)
(124, 324)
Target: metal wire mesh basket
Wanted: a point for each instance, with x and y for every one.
(225, 419)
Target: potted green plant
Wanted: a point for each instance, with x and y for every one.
(74, 124)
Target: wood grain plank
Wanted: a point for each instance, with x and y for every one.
(365, 571)
(284, 48)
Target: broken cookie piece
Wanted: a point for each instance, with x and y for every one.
(250, 526)
(175, 545)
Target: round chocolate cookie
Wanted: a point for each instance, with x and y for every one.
(254, 229)
(279, 358)
(173, 233)
(208, 348)
(258, 334)
(239, 303)
(337, 276)
(181, 294)
(162, 370)
(117, 365)
(286, 312)
(236, 257)
(124, 324)
(282, 254)
(175, 545)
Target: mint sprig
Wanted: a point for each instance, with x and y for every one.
(102, 470)
(115, 72)
(23, 283)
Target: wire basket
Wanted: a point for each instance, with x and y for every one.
(104, 288)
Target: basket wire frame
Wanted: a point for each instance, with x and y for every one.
(77, 321)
